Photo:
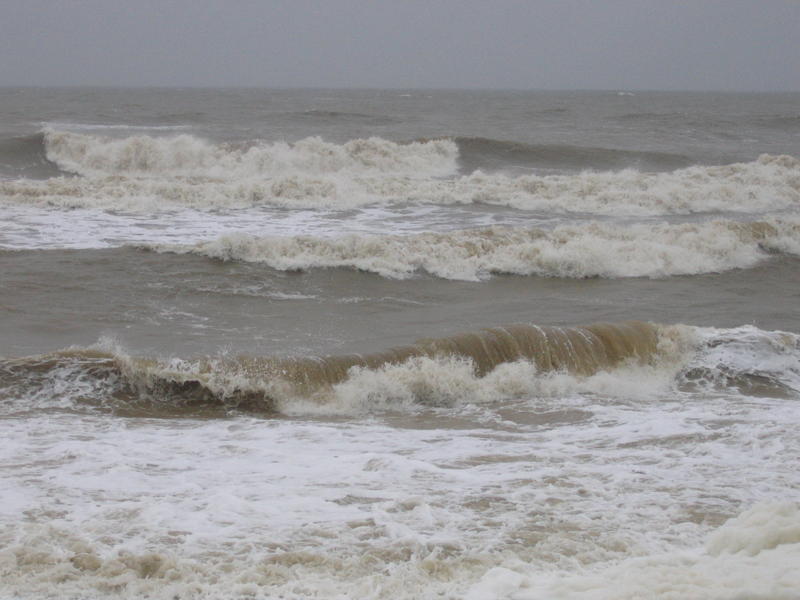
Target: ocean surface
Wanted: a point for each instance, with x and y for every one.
(399, 345)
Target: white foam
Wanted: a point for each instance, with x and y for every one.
(452, 382)
(766, 356)
(23, 227)
(769, 183)
(146, 174)
(754, 555)
(188, 155)
(590, 250)
(759, 529)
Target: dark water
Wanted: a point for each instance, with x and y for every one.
(188, 306)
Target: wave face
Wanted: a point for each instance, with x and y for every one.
(591, 250)
(269, 384)
(26, 156)
(145, 173)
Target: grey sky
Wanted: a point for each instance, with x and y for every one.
(533, 44)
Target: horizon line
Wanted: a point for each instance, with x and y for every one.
(393, 88)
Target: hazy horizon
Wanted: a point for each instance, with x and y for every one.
(572, 45)
(394, 89)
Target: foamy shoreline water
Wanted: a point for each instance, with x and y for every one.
(432, 498)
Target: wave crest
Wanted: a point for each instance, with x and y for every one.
(621, 360)
(143, 155)
(432, 371)
(592, 250)
(146, 174)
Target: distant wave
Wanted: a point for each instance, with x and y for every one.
(483, 153)
(707, 122)
(187, 155)
(62, 126)
(144, 173)
(783, 122)
(589, 250)
(337, 116)
(653, 117)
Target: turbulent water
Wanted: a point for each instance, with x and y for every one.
(386, 344)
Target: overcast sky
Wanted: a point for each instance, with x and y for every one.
(530, 44)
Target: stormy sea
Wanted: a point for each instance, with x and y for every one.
(404, 345)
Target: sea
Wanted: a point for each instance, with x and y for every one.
(399, 344)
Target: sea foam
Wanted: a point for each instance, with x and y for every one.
(188, 155)
(145, 173)
(753, 555)
(587, 250)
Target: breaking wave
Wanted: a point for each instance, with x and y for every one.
(442, 371)
(631, 359)
(187, 155)
(26, 156)
(589, 250)
(146, 173)
(125, 546)
(769, 183)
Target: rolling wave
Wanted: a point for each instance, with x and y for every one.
(145, 173)
(577, 251)
(764, 185)
(187, 155)
(97, 377)
(489, 365)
